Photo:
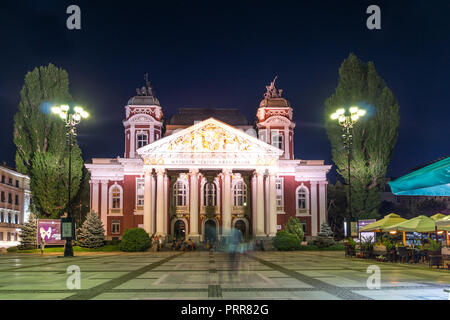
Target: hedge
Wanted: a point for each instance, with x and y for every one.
(135, 239)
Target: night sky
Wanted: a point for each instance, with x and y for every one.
(223, 53)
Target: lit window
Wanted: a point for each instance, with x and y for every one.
(115, 226)
(209, 194)
(115, 193)
(239, 194)
(180, 193)
(140, 189)
(141, 139)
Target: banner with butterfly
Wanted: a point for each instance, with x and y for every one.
(50, 231)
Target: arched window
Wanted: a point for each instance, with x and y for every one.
(180, 193)
(239, 194)
(115, 199)
(209, 194)
(115, 196)
(302, 199)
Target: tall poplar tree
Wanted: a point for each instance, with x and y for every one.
(40, 139)
(374, 135)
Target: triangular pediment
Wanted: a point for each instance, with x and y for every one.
(209, 139)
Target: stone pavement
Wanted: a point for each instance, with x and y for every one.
(204, 275)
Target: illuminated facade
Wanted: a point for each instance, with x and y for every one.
(205, 171)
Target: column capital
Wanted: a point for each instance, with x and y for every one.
(193, 171)
(160, 171)
(227, 171)
(94, 181)
(323, 182)
(148, 170)
(104, 181)
(313, 183)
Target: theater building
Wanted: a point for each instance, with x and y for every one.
(204, 171)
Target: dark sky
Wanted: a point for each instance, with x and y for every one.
(223, 53)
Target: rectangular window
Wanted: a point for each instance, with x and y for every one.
(9, 198)
(279, 186)
(10, 181)
(15, 236)
(16, 219)
(8, 238)
(3, 196)
(277, 139)
(3, 179)
(304, 227)
(2, 217)
(140, 188)
(17, 183)
(115, 227)
(141, 139)
(1, 236)
(263, 135)
(16, 200)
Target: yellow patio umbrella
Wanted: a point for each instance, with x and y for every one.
(422, 224)
(383, 223)
(444, 224)
(438, 216)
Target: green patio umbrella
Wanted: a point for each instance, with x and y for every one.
(383, 223)
(438, 216)
(444, 223)
(422, 224)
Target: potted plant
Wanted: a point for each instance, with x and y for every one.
(350, 247)
(367, 247)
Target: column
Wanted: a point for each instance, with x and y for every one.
(323, 201)
(253, 205)
(104, 204)
(160, 172)
(95, 190)
(266, 205)
(132, 141)
(286, 144)
(193, 203)
(166, 205)
(226, 215)
(153, 202)
(148, 227)
(313, 208)
(259, 202)
(272, 205)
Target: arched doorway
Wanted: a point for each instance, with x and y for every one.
(210, 231)
(240, 225)
(179, 230)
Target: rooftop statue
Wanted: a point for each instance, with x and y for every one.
(147, 89)
(272, 91)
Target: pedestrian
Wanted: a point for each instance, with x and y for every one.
(42, 245)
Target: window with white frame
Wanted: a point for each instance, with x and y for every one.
(302, 198)
(277, 139)
(209, 194)
(115, 196)
(140, 189)
(239, 194)
(141, 139)
(180, 193)
(115, 226)
(279, 186)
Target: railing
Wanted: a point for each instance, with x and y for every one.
(238, 209)
(182, 209)
(303, 212)
(209, 209)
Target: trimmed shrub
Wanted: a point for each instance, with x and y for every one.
(294, 226)
(12, 249)
(135, 239)
(286, 241)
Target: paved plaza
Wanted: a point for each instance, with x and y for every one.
(205, 275)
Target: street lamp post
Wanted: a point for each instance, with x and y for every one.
(346, 122)
(71, 118)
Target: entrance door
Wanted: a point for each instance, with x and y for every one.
(210, 231)
(179, 230)
(240, 225)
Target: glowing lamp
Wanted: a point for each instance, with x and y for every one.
(355, 117)
(353, 109)
(334, 116)
(440, 232)
(63, 115)
(341, 118)
(340, 111)
(393, 232)
(361, 112)
(56, 110)
(64, 107)
(76, 117)
(78, 109)
(84, 114)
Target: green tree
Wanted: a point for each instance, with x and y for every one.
(39, 136)
(337, 206)
(28, 234)
(374, 136)
(92, 233)
(294, 226)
